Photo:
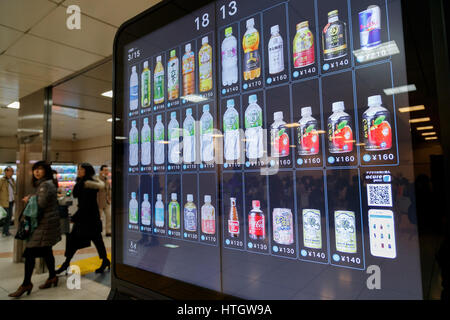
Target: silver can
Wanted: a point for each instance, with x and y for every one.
(283, 226)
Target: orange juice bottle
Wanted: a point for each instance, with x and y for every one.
(205, 66)
(188, 71)
(252, 59)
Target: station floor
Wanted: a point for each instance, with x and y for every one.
(92, 286)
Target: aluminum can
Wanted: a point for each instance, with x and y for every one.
(370, 27)
(283, 226)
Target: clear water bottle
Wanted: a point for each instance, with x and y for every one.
(146, 144)
(159, 211)
(189, 137)
(146, 209)
(133, 216)
(253, 129)
(134, 89)
(134, 145)
(229, 58)
(159, 141)
(231, 132)
(276, 54)
(206, 133)
(174, 139)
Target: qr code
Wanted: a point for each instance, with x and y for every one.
(379, 195)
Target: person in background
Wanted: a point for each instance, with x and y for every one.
(104, 199)
(7, 194)
(63, 207)
(87, 223)
(47, 232)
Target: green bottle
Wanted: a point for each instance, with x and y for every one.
(145, 86)
(174, 213)
(159, 81)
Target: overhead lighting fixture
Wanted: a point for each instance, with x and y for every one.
(425, 128)
(431, 138)
(194, 98)
(14, 105)
(171, 246)
(417, 120)
(398, 90)
(111, 120)
(411, 109)
(429, 134)
(108, 94)
(121, 138)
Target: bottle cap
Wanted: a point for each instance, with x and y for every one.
(189, 112)
(250, 23)
(256, 204)
(159, 197)
(253, 99)
(207, 198)
(173, 115)
(159, 118)
(338, 106)
(188, 47)
(146, 64)
(158, 59)
(228, 31)
(230, 103)
(145, 120)
(304, 24)
(206, 108)
(190, 198)
(375, 101)
(204, 40)
(275, 29)
(145, 197)
(133, 195)
(306, 111)
(133, 123)
(333, 13)
(174, 196)
(173, 53)
(278, 115)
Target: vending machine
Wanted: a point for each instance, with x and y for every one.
(257, 154)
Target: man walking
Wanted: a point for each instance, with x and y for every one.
(104, 199)
(7, 194)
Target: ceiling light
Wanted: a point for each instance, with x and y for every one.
(419, 120)
(425, 128)
(398, 90)
(14, 105)
(108, 94)
(431, 138)
(429, 133)
(411, 109)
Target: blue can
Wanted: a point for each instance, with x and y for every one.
(370, 27)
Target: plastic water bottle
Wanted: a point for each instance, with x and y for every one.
(190, 214)
(159, 141)
(159, 211)
(229, 58)
(133, 215)
(146, 209)
(134, 90)
(174, 139)
(253, 129)
(208, 217)
(276, 54)
(134, 145)
(231, 132)
(206, 134)
(189, 137)
(146, 144)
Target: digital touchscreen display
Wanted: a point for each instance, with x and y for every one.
(264, 157)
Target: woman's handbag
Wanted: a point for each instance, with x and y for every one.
(24, 229)
(28, 220)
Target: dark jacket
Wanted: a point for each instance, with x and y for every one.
(87, 218)
(47, 232)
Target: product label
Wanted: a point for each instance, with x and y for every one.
(312, 231)
(252, 61)
(303, 49)
(256, 225)
(172, 79)
(335, 42)
(253, 119)
(308, 138)
(231, 122)
(280, 142)
(209, 226)
(159, 217)
(340, 135)
(145, 88)
(377, 131)
(233, 227)
(283, 232)
(345, 231)
(190, 219)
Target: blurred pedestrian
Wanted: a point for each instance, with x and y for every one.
(104, 199)
(87, 223)
(7, 195)
(47, 232)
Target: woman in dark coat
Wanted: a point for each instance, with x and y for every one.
(87, 222)
(47, 233)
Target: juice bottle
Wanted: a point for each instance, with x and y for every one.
(188, 71)
(146, 216)
(159, 81)
(276, 51)
(190, 214)
(145, 86)
(303, 46)
(159, 211)
(312, 229)
(376, 126)
(208, 217)
(205, 66)
(173, 79)
(252, 59)
(279, 137)
(174, 213)
(340, 133)
(308, 137)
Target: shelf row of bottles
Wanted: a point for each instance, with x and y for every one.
(243, 62)
(198, 142)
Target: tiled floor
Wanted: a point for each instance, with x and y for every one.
(92, 286)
